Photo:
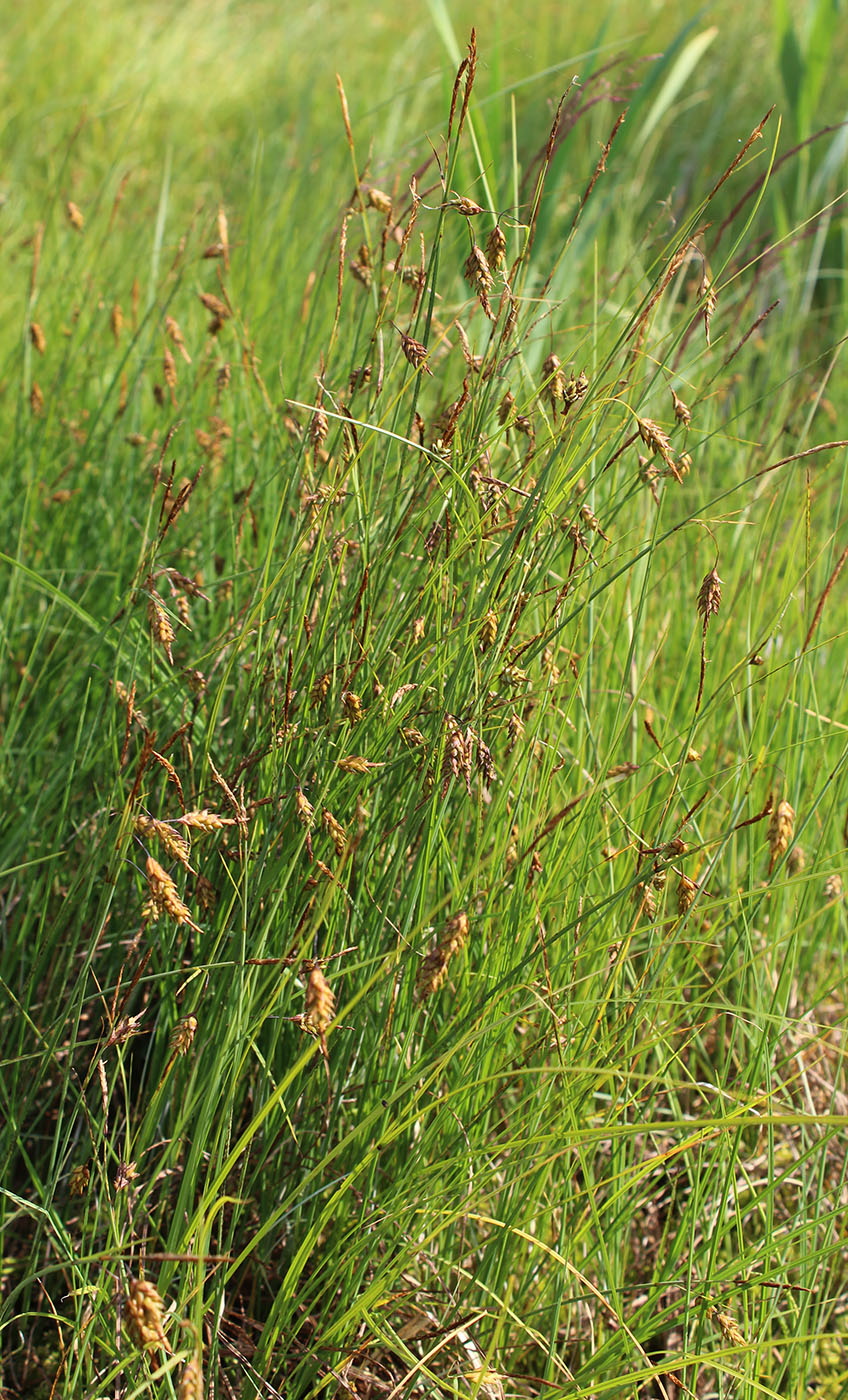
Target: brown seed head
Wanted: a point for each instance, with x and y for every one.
(478, 275)
(682, 412)
(489, 630)
(36, 399)
(37, 336)
(686, 892)
(496, 248)
(379, 201)
(183, 1034)
(554, 378)
(656, 440)
(144, 1316)
(79, 1179)
(116, 321)
(75, 216)
(125, 1175)
(505, 407)
(160, 625)
(304, 810)
(334, 830)
(191, 1380)
(352, 706)
(709, 596)
(781, 829)
(320, 1002)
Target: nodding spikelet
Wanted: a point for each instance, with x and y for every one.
(380, 201)
(178, 848)
(144, 1309)
(218, 308)
(206, 821)
(160, 625)
(574, 390)
(554, 379)
(496, 248)
(116, 322)
(36, 399)
(728, 1327)
(434, 968)
(515, 728)
(175, 335)
(657, 441)
(686, 892)
(304, 810)
(709, 596)
(191, 1380)
(37, 336)
(320, 688)
(222, 379)
(489, 630)
(354, 763)
(781, 829)
(797, 861)
(709, 301)
(415, 352)
(183, 1034)
(79, 1179)
(75, 215)
(505, 408)
(646, 902)
(164, 896)
(352, 706)
(169, 371)
(479, 276)
(334, 830)
(682, 411)
(833, 888)
(320, 1002)
(319, 427)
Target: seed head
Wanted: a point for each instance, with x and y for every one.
(489, 630)
(657, 441)
(183, 1034)
(496, 248)
(379, 201)
(218, 308)
(75, 216)
(160, 624)
(36, 399)
(164, 896)
(709, 596)
(352, 706)
(191, 1380)
(37, 336)
(505, 407)
(478, 275)
(320, 1002)
(682, 412)
(334, 830)
(79, 1179)
(415, 352)
(116, 321)
(686, 892)
(781, 829)
(554, 379)
(144, 1316)
(303, 808)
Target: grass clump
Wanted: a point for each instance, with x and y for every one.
(424, 773)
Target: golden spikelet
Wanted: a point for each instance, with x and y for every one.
(36, 399)
(356, 764)
(183, 1034)
(144, 1316)
(554, 379)
(160, 625)
(75, 216)
(686, 892)
(434, 968)
(489, 630)
(352, 706)
(479, 276)
(176, 846)
(164, 896)
(218, 308)
(781, 829)
(116, 321)
(79, 1179)
(206, 821)
(37, 336)
(415, 352)
(682, 411)
(709, 596)
(379, 201)
(191, 1380)
(334, 830)
(656, 440)
(320, 1002)
(304, 810)
(496, 248)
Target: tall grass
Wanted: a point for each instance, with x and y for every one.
(423, 762)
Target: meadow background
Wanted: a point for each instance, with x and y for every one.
(422, 734)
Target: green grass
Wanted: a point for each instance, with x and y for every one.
(436, 653)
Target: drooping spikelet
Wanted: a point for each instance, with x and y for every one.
(682, 411)
(164, 896)
(781, 829)
(183, 1034)
(478, 275)
(496, 248)
(334, 830)
(320, 1002)
(415, 352)
(75, 215)
(79, 1179)
(191, 1380)
(434, 968)
(303, 808)
(686, 892)
(489, 630)
(161, 628)
(554, 379)
(352, 706)
(656, 440)
(37, 336)
(709, 596)
(144, 1316)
